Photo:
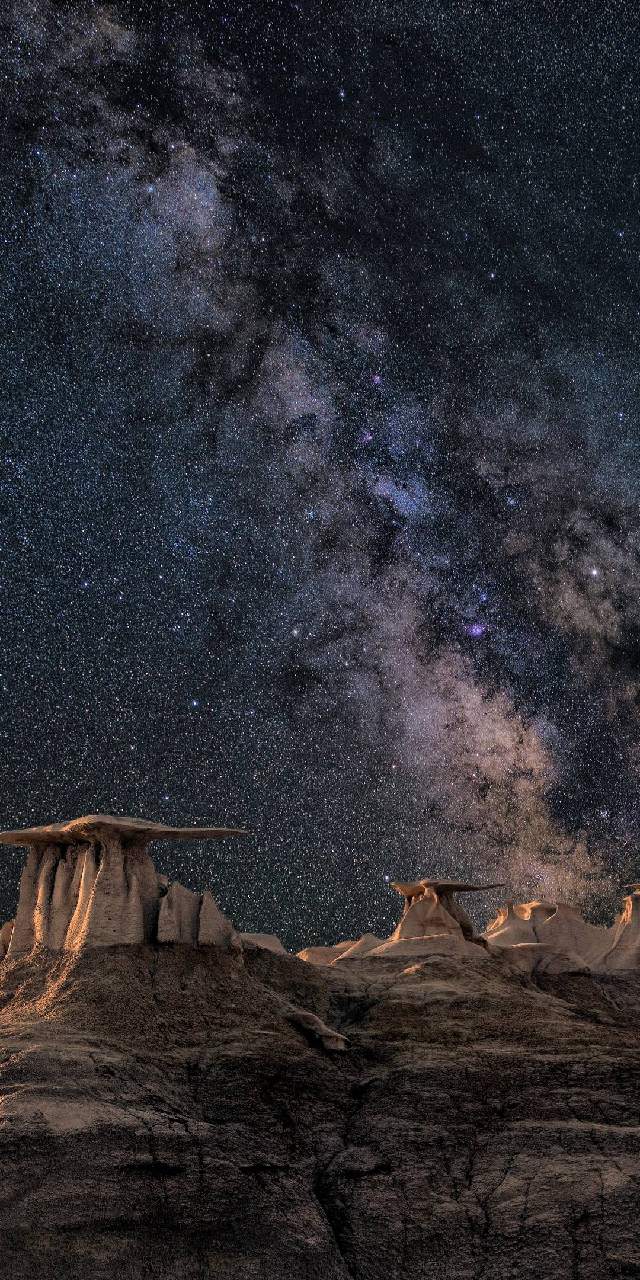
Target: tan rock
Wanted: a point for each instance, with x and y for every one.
(444, 892)
(91, 883)
(213, 927)
(317, 1031)
(179, 915)
(453, 944)
(556, 927)
(93, 825)
(5, 937)
(368, 942)
(623, 951)
(426, 915)
(325, 955)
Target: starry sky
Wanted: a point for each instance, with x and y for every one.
(320, 444)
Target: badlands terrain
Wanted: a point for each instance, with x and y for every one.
(180, 1101)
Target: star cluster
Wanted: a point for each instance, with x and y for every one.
(320, 453)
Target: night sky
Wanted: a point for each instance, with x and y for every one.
(320, 448)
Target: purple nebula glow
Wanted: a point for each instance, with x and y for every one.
(476, 630)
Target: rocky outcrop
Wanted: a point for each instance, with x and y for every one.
(430, 906)
(5, 937)
(92, 883)
(537, 936)
(177, 1102)
(267, 940)
(193, 918)
(623, 951)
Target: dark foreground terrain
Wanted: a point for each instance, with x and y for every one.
(169, 1112)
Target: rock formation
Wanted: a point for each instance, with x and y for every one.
(91, 883)
(433, 921)
(542, 936)
(190, 1112)
(432, 906)
(267, 940)
(623, 951)
(550, 929)
(421, 1105)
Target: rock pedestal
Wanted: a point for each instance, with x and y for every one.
(431, 906)
(92, 883)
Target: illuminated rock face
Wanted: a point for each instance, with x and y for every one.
(426, 915)
(92, 883)
(541, 937)
(554, 934)
(624, 951)
(96, 894)
(554, 925)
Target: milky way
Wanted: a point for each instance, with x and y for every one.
(320, 444)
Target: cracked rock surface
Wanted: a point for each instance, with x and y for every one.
(191, 1112)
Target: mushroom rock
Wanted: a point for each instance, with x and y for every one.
(424, 914)
(91, 882)
(432, 921)
(431, 907)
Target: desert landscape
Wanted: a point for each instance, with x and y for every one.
(180, 1100)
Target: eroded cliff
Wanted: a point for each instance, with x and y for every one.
(179, 1111)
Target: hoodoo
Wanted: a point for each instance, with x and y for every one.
(91, 882)
(428, 902)
(432, 921)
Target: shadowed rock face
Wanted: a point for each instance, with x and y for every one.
(194, 1112)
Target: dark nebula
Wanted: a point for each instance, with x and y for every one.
(320, 454)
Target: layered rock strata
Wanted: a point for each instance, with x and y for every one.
(198, 1113)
